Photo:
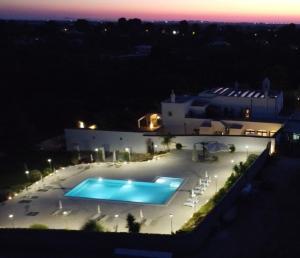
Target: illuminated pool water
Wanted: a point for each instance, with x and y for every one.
(157, 192)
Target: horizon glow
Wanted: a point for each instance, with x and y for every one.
(269, 11)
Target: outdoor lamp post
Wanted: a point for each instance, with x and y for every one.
(247, 147)
(128, 151)
(65, 214)
(50, 164)
(171, 221)
(216, 177)
(116, 227)
(97, 154)
(11, 218)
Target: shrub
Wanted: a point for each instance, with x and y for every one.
(92, 226)
(38, 226)
(35, 175)
(132, 225)
(178, 146)
(47, 171)
(167, 139)
(232, 148)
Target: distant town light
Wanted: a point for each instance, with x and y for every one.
(26, 172)
(93, 127)
(11, 216)
(9, 197)
(81, 124)
(49, 160)
(174, 32)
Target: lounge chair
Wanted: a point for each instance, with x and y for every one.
(194, 200)
(189, 204)
(198, 191)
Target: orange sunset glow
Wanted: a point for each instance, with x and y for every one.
(211, 10)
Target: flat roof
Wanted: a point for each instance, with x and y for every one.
(241, 93)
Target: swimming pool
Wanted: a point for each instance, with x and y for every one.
(157, 192)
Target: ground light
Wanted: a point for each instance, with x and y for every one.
(171, 222)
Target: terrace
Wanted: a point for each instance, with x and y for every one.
(45, 202)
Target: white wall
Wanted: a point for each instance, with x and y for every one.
(111, 140)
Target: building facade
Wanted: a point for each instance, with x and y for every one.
(224, 110)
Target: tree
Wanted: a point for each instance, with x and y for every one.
(167, 139)
(232, 148)
(35, 175)
(178, 146)
(132, 225)
(82, 25)
(92, 226)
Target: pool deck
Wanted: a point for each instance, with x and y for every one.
(79, 210)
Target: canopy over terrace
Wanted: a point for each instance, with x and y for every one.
(210, 147)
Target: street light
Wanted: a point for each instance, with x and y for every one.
(27, 174)
(128, 151)
(247, 147)
(97, 154)
(171, 221)
(50, 164)
(11, 218)
(65, 214)
(216, 177)
(116, 217)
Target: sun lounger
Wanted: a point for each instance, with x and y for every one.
(198, 191)
(189, 204)
(200, 188)
(194, 200)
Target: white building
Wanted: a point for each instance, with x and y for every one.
(224, 110)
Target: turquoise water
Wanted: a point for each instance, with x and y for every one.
(157, 192)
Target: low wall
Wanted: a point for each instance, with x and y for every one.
(114, 140)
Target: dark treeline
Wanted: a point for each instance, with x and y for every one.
(54, 73)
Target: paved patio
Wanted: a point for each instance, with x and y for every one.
(39, 203)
